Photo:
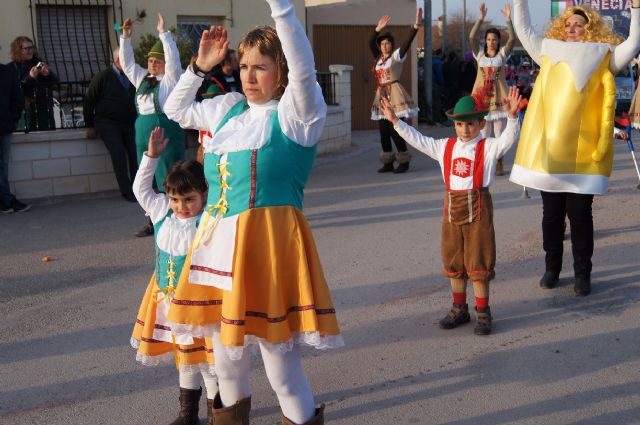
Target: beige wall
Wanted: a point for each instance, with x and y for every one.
(245, 15)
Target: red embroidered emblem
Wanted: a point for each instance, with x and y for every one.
(461, 167)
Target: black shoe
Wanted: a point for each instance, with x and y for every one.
(483, 321)
(499, 168)
(386, 168)
(129, 197)
(401, 168)
(549, 280)
(5, 209)
(582, 286)
(458, 315)
(18, 206)
(147, 230)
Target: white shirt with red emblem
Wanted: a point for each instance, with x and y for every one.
(463, 163)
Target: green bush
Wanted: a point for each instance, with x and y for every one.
(148, 40)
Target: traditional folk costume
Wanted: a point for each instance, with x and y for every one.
(387, 73)
(152, 336)
(254, 275)
(566, 144)
(491, 80)
(151, 94)
(634, 109)
(468, 240)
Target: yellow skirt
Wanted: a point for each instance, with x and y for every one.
(152, 352)
(279, 294)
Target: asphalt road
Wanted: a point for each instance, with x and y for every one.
(553, 358)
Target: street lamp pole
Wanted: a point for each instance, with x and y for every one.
(464, 27)
(427, 62)
(443, 45)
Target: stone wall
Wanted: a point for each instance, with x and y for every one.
(64, 162)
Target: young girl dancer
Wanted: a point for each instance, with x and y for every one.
(492, 63)
(388, 68)
(254, 277)
(175, 218)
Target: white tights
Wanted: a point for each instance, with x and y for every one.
(285, 374)
(191, 380)
(494, 128)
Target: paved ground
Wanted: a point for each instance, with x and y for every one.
(553, 358)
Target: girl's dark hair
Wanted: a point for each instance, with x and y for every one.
(495, 32)
(185, 176)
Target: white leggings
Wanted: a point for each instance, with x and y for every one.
(494, 128)
(191, 380)
(285, 374)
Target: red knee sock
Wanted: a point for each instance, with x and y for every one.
(482, 302)
(460, 298)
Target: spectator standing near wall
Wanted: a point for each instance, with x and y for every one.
(10, 109)
(36, 79)
(110, 112)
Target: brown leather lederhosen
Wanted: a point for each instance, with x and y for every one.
(468, 243)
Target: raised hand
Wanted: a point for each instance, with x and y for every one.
(160, 25)
(127, 28)
(483, 11)
(383, 22)
(506, 12)
(512, 101)
(419, 17)
(157, 143)
(213, 48)
(387, 110)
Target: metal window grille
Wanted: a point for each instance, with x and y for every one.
(191, 28)
(327, 81)
(73, 38)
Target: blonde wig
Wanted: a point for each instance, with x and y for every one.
(266, 40)
(596, 29)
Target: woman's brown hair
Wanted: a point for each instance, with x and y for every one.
(266, 40)
(16, 48)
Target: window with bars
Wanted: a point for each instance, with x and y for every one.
(191, 28)
(73, 38)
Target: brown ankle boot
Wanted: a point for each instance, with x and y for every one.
(318, 419)
(238, 414)
(483, 321)
(189, 400)
(210, 412)
(458, 315)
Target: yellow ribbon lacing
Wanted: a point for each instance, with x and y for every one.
(218, 209)
(168, 292)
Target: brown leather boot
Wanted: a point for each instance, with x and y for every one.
(318, 419)
(189, 400)
(458, 315)
(238, 414)
(210, 412)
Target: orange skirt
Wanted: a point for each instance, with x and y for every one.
(153, 352)
(279, 294)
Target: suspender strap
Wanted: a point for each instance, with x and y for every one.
(448, 153)
(478, 165)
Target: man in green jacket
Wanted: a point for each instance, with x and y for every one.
(110, 112)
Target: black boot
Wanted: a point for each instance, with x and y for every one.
(483, 321)
(147, 230)
(189, 400)
(549, 280)
(386, 168)
(403, 159)
(458, 315)
(582, 286)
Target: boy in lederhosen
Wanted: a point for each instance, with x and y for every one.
(468, 165)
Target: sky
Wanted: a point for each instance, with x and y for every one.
(540, 10)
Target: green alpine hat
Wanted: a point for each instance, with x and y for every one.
(467, 109)
(212, 91)
(157, 51)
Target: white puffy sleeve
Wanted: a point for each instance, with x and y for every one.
(302, 110)
(155, 204)
(626, 51)
(531, 41)
(134, 72)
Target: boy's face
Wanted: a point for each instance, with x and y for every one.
(468, 130)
